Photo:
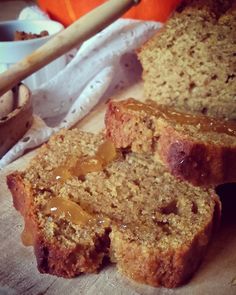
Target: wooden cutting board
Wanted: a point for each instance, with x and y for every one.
(19, 275)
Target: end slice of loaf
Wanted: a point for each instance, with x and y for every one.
(157, 228)
(191, 63)
(201, 157)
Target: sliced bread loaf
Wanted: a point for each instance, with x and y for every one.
(198, 149)
(82, 202)
(191, 63)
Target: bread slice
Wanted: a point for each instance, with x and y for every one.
(195, 153)
(191, 63)
(155, 227)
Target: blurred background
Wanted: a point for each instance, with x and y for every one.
(10, 9)
(67, 11)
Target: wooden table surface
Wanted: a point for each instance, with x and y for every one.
(19, 275)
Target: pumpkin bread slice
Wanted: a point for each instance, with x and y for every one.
(195, 148)
(155, 227)
(190, 64)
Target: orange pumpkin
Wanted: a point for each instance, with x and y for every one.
(67, 11)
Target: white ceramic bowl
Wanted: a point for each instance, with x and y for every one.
(13, 51)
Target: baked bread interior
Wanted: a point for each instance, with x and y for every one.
(83, 200)
(191, 63)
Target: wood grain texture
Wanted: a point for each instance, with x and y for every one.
(19, 275)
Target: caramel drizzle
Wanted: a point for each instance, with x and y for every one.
(203, 123)
(105, 154)
(58, 206)
(72, 211)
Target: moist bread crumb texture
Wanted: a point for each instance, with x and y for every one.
(191, 63)
(205, 158)
(154, 227)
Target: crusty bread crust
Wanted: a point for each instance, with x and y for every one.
(53, 258)
(199, 162)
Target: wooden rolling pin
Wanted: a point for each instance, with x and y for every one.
(84, 28)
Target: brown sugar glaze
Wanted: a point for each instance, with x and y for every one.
(73, 212)
(203, 123)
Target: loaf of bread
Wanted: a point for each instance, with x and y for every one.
(198, 149)
(82, 200)
(191, 63)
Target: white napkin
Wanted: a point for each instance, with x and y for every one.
(103, 64)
